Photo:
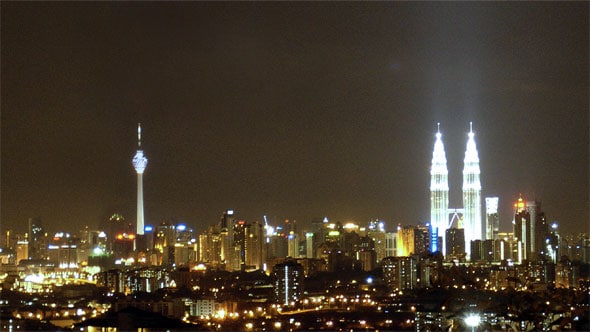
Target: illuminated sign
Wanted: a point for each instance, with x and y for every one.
(125, 236)
(433, 238)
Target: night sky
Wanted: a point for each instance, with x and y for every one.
(293, 110)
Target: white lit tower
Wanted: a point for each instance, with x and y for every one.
(439, 191)
(492, 225)
(139, 163)
(471, 193)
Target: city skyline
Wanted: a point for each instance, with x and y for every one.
(295, 110)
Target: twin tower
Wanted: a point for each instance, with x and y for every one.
(440, 219)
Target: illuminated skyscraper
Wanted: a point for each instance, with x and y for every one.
(530, 229)
(255, 246)
(229, 255)
(439, 191)
(471, 193)
(289, 277)
(522, 229)
(492, 220)
(139, 163)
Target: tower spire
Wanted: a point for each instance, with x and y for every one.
(139, 134)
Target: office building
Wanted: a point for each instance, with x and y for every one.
(288, 282)
(455, 243)
(471, 193)
(400, 273)
(492, 224)
(439, 190)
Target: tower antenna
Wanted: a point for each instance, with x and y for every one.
(139, 134)
(470, 127)
(438, 127)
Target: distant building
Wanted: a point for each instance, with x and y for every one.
(439, 195)
(400, 273)
(309, 245)
(405, 242)
(376, 231)
(390, 244)
(476, 251)
(492, 225)
(366, 254)
(430, 270)
(229, 256)
(203, 307)
(488, 251)
(507, 246)
(288, 278)
(471, 193)
(112, 280)
(455, 243)
(238, 258)
(254, 246)
(38, 239)
(412, 240)
(22, 250)
(439, 189)
(209, 247)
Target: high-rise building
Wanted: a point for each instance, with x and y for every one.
(366, 254)
(522, 229)
(400, 273)
(530, 228)
(471, 193)
(476, 250)
(390, 244)
(22, 250)
(139, 163)
(36, 233)
(228, 252)
(455, 243)
(239, 246)
(292, 245)
(255, 250)
(288, 278)
(209, 249)
(492, 226)
(164, 241)
(412, 240)
(376, 231)
(541, 234)
(405, 241)
(309, 247)
(439, 190)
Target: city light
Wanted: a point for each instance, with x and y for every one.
(472, 320)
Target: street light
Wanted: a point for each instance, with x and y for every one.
(473, 321)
